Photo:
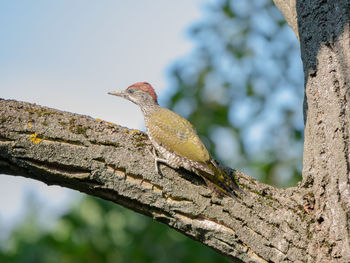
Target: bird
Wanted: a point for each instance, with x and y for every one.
(176, 140)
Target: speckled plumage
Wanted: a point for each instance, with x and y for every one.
(175, 138)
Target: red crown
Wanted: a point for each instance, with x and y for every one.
(145, 86)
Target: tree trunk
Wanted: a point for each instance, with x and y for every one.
(308, 223)
(325, 45)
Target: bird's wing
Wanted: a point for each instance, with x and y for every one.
(177, 134)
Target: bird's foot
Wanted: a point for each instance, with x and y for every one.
(157, 160)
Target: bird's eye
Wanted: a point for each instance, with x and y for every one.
(130, 91)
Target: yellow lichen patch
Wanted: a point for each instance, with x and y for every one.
(111, 123)
(132, 132)
(34, 138)
(30, 125)
(108, 122)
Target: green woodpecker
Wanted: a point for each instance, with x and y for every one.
(176, 139)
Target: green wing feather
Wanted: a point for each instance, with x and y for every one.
(176, 133)
(221, 181)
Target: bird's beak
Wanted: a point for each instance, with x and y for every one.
(124, 94)
(120, 93)
(117, 93)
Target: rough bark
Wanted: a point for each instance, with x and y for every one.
(325, 46)
(103, 159)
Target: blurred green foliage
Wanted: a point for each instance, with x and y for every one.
(242, 89)
(98, 231)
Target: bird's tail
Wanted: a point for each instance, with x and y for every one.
(221, 182)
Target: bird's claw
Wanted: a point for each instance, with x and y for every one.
(154, 154)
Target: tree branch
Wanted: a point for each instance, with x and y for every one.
(289, 10)
(112, 162)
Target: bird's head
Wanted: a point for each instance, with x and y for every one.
(140, 93)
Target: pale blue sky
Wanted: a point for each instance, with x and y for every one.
(68, 54)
